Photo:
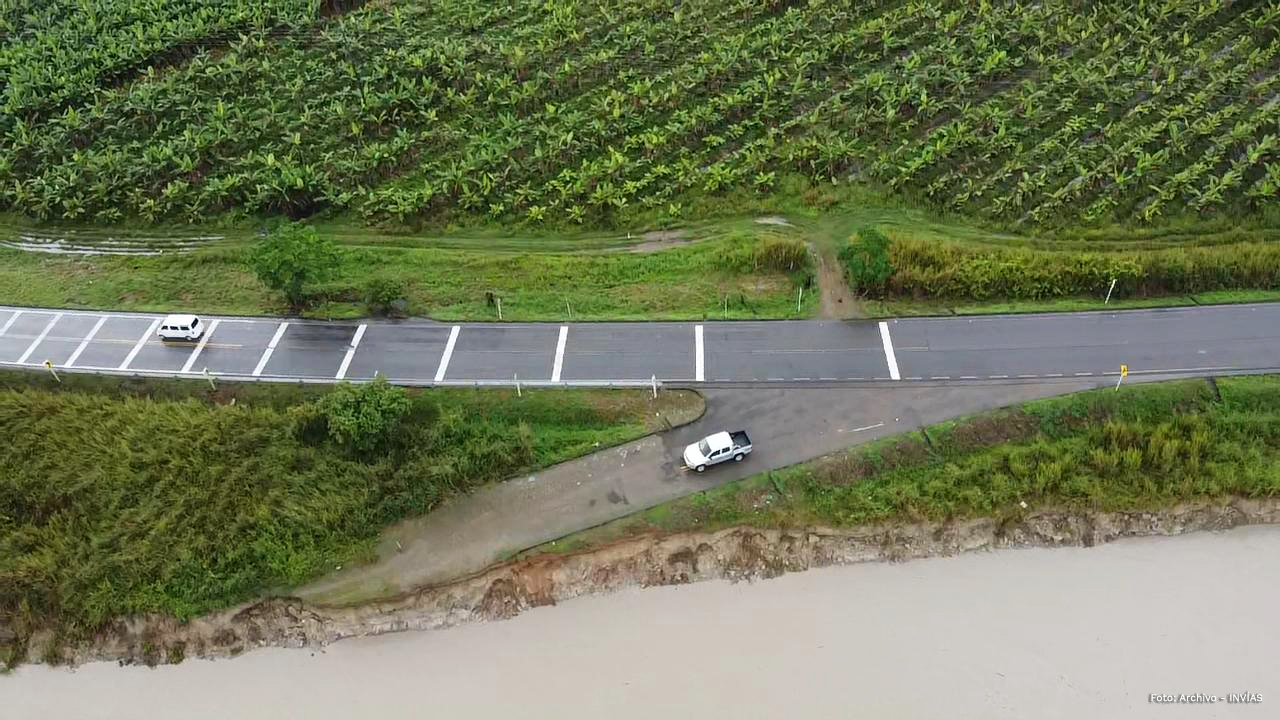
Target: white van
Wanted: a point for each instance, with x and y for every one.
(180, 327)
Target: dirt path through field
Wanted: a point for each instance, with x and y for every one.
(837, 299)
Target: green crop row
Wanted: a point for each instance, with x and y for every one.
(602, 110)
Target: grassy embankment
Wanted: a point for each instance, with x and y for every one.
(946, 269)
(1145, 447)
(758, 270)
(127, 497)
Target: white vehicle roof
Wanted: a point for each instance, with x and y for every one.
(179, 320)
(719, 440)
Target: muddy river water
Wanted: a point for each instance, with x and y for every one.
(1031, 633)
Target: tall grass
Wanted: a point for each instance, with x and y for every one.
(932, 269)
(161, 498)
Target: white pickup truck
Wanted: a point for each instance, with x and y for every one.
(717, 448)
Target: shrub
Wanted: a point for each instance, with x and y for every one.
(362, 418)
(293, 258)
(386, 296)
(866, 262)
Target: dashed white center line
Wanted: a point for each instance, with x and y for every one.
(137, 347)
(1085, 374)
(9, 323)
(997, 377)
(699, 366)
(71, 361)
(271, 347)
(1053, 374)
(559, 362)
(889, 357)
(31, 348)
(940, 377)
(448, 353)
(968, 377)
(351, 353)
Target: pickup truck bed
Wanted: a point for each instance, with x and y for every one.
(740, 438)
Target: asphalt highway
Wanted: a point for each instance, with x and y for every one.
(1195, 341)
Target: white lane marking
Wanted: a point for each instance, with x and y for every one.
(8, 324)
(85, 342)
(940, 377)
(1053, 374)
(998, 377)
(968, 377)
(868, 427)
(1083, 374)
(888, 351)
(137, 347)
(1027, 375)
(204, 339)
(271, 348)
(804, 378)
(448, 353)
(913, 378)
(559, 362)
(351, 353)
(1177, 370)
(699, 365)
(826, 378)
(31, 348)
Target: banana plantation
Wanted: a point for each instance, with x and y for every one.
(1015, 113)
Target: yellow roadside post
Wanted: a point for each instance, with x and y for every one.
(1124, 373)
(48, 365)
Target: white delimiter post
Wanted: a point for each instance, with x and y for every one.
(1113, 287)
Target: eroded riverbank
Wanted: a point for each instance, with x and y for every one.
(734, 554)
(1044, 633)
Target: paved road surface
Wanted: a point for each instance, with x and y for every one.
(1200, 340)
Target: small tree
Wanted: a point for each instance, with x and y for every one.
(866, 262)
(293, 258)
(363, 418)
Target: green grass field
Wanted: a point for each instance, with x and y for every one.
(714, 275)
(127, 497)
(1016, 114)
(1145, 447)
